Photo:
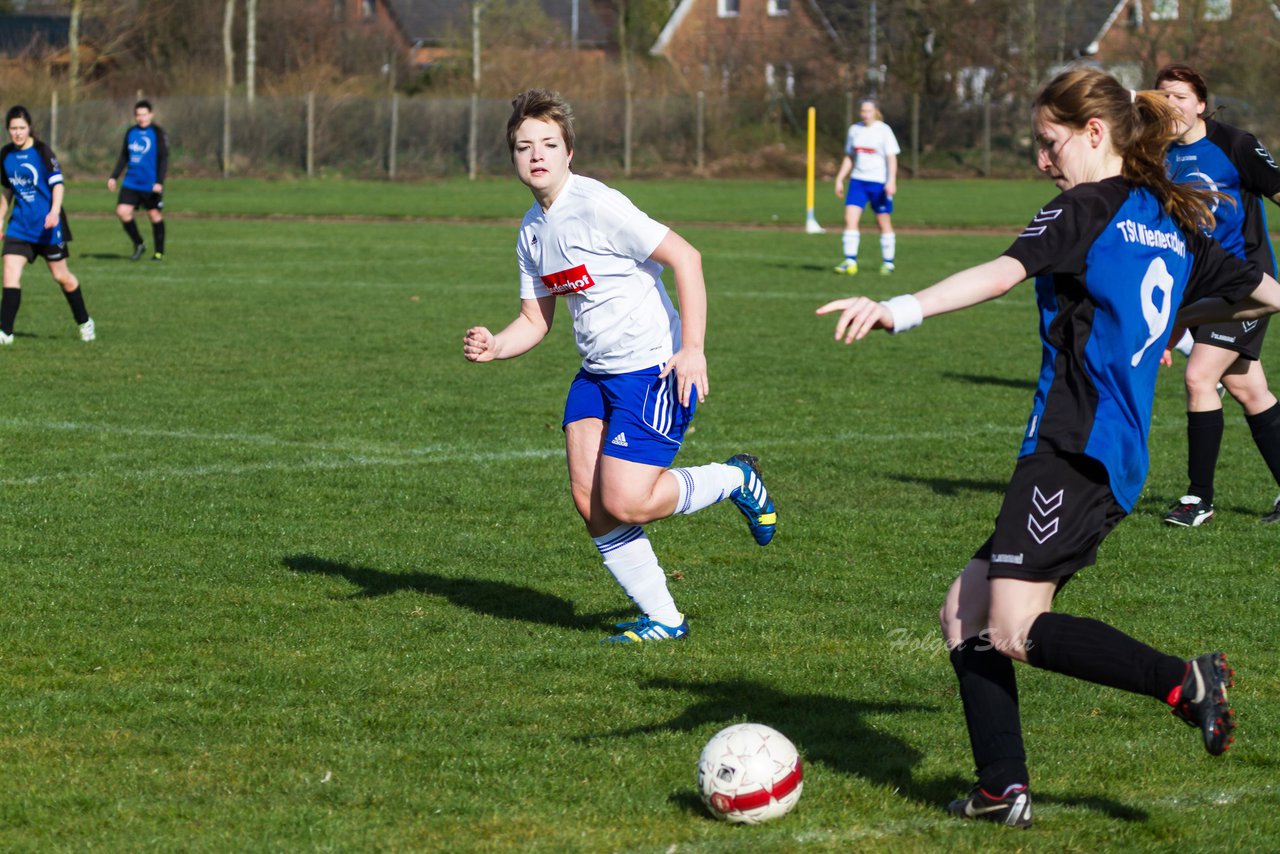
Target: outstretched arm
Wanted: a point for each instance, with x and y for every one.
(690, 362)
(1264, 300)
(859, 315)
(519, 337)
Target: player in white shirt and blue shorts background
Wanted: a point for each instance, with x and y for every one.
(871, 165)
(643, 367)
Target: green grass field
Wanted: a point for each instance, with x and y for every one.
(283, 572)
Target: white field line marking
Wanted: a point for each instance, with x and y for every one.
(231, 470)
(230, 438)
(355, 455)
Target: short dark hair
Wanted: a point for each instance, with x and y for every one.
(545, 106)
(1180, 72)
(143, 104)
(19, 112)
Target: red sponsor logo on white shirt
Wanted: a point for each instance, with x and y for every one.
(569, 281)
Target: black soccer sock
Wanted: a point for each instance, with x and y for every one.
(989, 692)
(157, 233)
(1091, 650)
(75, 299)
(9, 309)
(1265, 427)
(131, 229)
(1204, 439)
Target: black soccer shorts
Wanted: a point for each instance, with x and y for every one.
(1243, 336)
(31, 251)
(1057, 509)
(140, 199)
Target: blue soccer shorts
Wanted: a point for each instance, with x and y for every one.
(868, 194)
(644, 421)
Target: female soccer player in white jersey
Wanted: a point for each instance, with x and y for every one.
(1114, 256)
(1234, 163)
(31, 178)
(871, 165)
(643, 368)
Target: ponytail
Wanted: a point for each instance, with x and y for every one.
(1145, 163)
(1142, 125)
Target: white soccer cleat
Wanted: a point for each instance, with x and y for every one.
(5, 338)
(86, 330)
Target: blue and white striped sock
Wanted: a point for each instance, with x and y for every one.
(702, 486)
(629, 556)
(851, 239)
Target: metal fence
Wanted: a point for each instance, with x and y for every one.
(420, 137)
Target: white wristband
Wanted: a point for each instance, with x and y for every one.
(906, 311)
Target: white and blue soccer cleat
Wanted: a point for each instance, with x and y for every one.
(645, 629)
(753, 499)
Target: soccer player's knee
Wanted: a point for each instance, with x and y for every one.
(626, 510)
(1247, 391)
(1199, 380)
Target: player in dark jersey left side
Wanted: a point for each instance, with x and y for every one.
(1225, 355)
(32, 179)
(1114, 257)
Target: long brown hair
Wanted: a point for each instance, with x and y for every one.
(1142, 126)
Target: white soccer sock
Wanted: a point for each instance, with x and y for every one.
(851, 239)
(629, 556)
(888, 246)
(703, 486)
(1185, 343)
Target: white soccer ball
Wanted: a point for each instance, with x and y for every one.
(749, 773)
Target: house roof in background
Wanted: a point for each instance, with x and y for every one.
(20, 32)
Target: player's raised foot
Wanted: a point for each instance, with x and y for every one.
(86, 330)
(139, 249)
(848, 266)
(1202, 700)
(5, 338)
(1189, 511)
(753, 499)
(159, 256)
(645, 629)
(1013, 808)
(886, 268)
(1273, 516)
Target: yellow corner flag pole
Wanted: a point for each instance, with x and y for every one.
(810, 221)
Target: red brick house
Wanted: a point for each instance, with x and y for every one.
(751, 46)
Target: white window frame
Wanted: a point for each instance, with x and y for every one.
(724, 11)
(1164, 10)
(779, 8)
(1217, 10)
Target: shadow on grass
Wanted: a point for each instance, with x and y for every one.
(836, 733)
(481, 595)
(831, 731)
(985, 379)
(953, 486)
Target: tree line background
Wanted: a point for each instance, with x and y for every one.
(291, 87)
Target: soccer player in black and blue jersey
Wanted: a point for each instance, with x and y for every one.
(1119, 260)
(31, 178)
(145, 156)
(1233, 162)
